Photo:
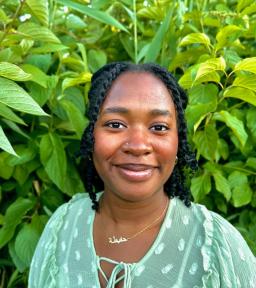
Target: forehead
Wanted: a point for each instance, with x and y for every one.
(139, 88)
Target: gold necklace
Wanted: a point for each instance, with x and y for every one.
(121, 239)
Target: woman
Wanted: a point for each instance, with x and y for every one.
(142, 231)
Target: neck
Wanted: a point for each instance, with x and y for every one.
(123, 212)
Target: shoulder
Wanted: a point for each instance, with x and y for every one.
(225, 251)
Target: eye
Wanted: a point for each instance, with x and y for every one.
(159, 128)
(115, 125)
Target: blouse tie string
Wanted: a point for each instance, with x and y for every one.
(126, 277)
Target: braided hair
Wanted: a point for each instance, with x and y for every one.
(100, 85)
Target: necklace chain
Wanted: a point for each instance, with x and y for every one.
(115, 240)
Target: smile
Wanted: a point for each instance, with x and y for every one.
(135, 172)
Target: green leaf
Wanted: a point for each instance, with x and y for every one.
(193, 38)
(227, 35)
(6, 170)
(21, 266)
(249, 10)
(39, 9)
(246, 81)
(251, 162)
(13, 217)
(247, 64)
(12, 95)
(25, 243)
(96, 59)
(13, 72)
(26, 154)
(202, 100)
(206, 142)
(209, 66)
(10, 115)
(200, 186)
(241, 93)
(4, 143)
(156, 43)
(95, 14)
(48, 48)
(222, 184)
(81, 79)
(241, 191)
(234, 123)
(53, 158)
(76, 118)
(75, 22)
(37, 32)
(251, 120)
(38, 76)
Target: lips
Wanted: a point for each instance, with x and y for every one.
(135, 172)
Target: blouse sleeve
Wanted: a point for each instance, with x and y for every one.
(234, 260)
(43, 267)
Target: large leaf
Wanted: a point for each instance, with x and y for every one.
(246, 81)
(156, 43)
(209, 66)
(5, 143)
(40, 9)
(202, 100)
(10, 115)
(13, 217)
(241, 191)
(103, 17)
(248, 64)
(38, 75)
(234, 123)
(13, 72)
(37, 32)
(76, 118)
(193, 38)
(206, 142)
(241, 93)
(222, 184)
(227, 35)
(12, 95)
(96, 59)
(53, 158)
(201, 186)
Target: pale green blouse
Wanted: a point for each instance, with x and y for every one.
(194, 248)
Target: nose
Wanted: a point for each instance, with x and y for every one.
(137, 143)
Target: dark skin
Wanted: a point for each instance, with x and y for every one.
(135, 149)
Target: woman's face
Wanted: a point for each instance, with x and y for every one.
(136, 138)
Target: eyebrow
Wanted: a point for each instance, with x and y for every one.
(123, 110)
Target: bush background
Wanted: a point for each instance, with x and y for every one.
(48, 50)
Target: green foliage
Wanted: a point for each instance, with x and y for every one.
(48, 52)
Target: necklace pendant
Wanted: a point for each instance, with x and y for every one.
(114, 240)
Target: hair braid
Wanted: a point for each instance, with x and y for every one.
(101, 83)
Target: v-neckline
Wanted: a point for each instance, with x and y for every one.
(149, 253)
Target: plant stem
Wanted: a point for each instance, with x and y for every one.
(135, 32)
(7, 28)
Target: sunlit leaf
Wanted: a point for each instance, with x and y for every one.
(13, 72)
(81, 79)
(193, 38)
(37, 32)
(227, 35)
(246, 81)
(12, 95)
(222, 184)
(209, 66)
(40, 9)
(247, 64)
(241, 93)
